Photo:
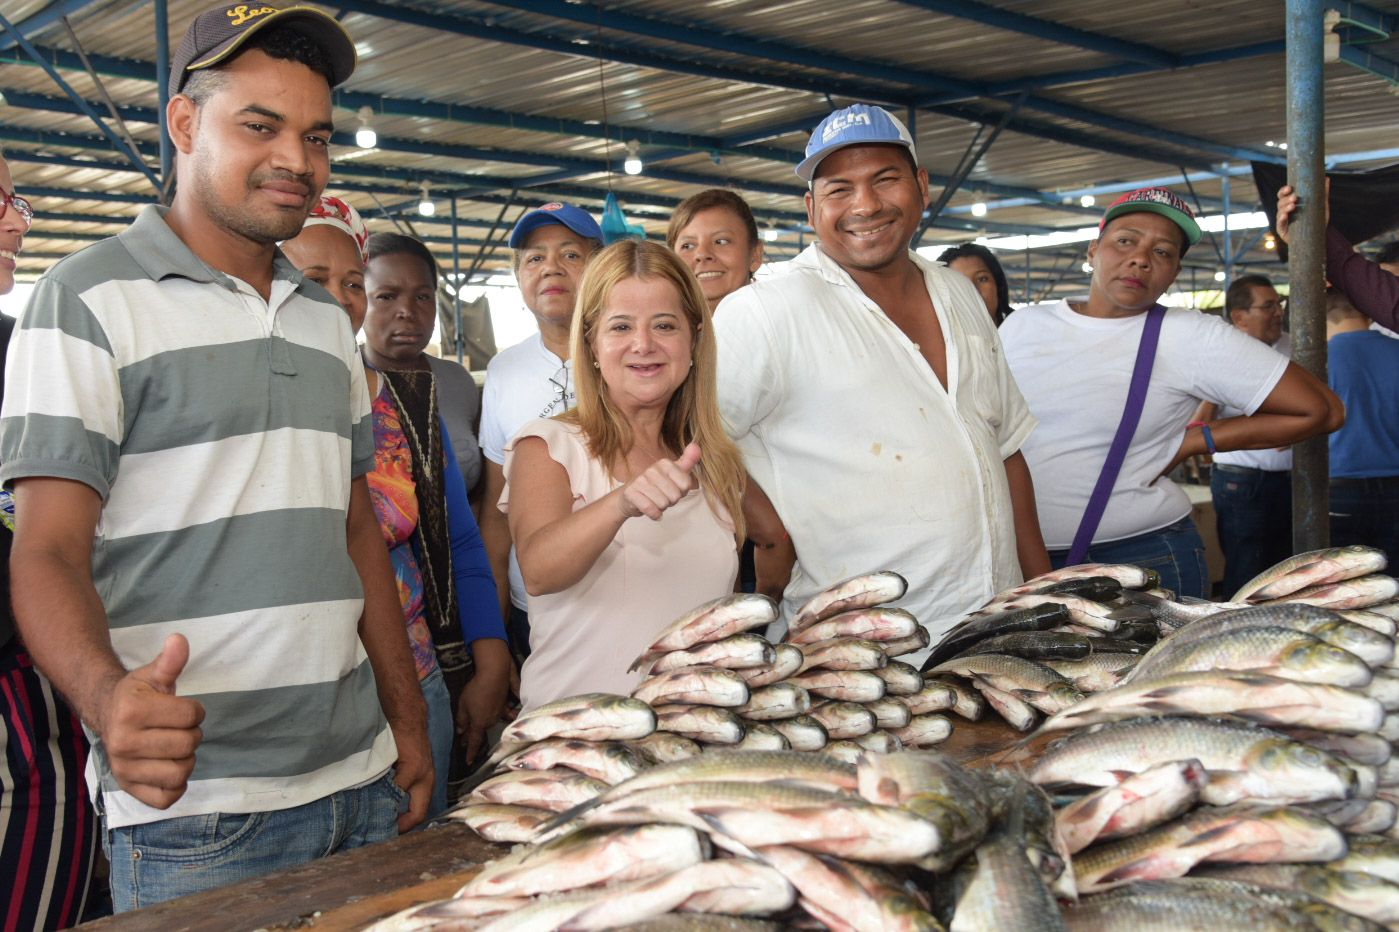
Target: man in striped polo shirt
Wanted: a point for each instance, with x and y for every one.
(197, 564)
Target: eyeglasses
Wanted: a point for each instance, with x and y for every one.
(1272, 307)
(20, 204)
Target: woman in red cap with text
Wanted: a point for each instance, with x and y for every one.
(1097, 459)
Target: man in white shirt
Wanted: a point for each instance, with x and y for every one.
(868, 392)
(1252, 489)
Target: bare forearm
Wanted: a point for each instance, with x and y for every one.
(765, 527)
(562, 552)
(1259, 432)
(1029, 540)
(64, 627)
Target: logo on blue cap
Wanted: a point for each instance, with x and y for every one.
(858, 124)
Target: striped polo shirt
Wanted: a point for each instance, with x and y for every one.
(222, 432)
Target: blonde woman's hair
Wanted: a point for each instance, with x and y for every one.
(692, 415)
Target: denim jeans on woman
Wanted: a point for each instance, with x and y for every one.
(1176, 551)
(163, 860)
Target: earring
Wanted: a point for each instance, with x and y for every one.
(595, 364)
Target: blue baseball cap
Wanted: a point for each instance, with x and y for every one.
(575, 218)
(856, 125)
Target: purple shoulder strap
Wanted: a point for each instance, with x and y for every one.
(1117, 453)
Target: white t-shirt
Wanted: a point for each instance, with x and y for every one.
(1271, 459)
(871, 464)
(524, 382)
(1075, 371)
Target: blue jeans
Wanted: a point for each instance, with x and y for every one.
(1253, 517)
(441, 733)
(1366, 511)
(160, 861)
(1175, 551)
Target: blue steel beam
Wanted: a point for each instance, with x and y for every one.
(1046, 29)
(48, 16)
(1361, 57)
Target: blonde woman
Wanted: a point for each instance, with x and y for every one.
(626, 510)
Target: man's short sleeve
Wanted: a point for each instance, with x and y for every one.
(749, 370)
(63, 405)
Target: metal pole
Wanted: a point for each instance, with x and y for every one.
(162, 82)
(456, 279)
(1228, 250)
(1311, 494)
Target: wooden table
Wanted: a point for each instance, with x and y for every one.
(348, 891)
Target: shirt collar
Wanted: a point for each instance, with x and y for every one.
(814, 257)
(161, 254)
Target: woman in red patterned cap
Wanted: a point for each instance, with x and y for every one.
(1114, 379)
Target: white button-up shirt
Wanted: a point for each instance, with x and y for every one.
(871, 464)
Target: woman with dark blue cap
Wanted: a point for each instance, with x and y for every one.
(1099, 463)
(534, 378)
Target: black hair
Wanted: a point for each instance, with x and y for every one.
(1389, 253)
(393, 244)
(903, 150)
(978, 251)
(1240, 294)
(282, 41)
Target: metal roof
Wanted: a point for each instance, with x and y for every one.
(528, 101)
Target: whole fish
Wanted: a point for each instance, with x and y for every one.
(1282, 652)
(759, 736)
(849, 594)
(1307, 908)
(977, 628)
(556, 790)
(846, 896)
(1353, 593)
(1031, 682)
(970, 704)
(1384, 689)
(703, 922)
(1179, 910)
(935, 787)
(780, 700)
(1362, 894)
(935, 696)
(788, 661)
(1244, 761)
(900, 679)
(1018, 714)
(1037, 645)
(1367, 618)
(754, 889)
(803, 732)
(788, 768)
(874, 624)
(732, 653)
(663, 747)
(760, 814)
(590, 856)
(1006, 890)
(889, 712)
(1374, 648)
(1388, 609)
(1256, 697)
(608, 761)
(1141, 801)
(1095, 673)
(700, 723)
(1098, 588)
(592, 717)
(846, 685)
(845, 750)
(712, 621)
(1126, 574)
(500, 823)
(843, 720)
(1082, 611)
(880, 742)
(846, 653)
(897, 647)
(458, 912)
(1316, 567)
(923, 731)
(704, 684)
(1244, 832)
(1371, 854)
(1362, 816)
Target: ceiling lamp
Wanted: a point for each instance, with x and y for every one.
(426, 207)
(633, 166)
(365, 137)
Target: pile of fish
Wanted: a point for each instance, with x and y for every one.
(1242, 769)
(804, 839)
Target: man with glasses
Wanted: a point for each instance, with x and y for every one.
(1252, 489)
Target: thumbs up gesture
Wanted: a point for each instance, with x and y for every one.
(663, 484)
(150, 733)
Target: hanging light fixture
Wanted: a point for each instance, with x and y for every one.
(979, 209)
(1087, 200)
(770, 235)
(1220, 276)
(426, 207)
(633, 165)
(365, 137)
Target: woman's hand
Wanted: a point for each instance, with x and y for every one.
(663, 484)
(482, 702)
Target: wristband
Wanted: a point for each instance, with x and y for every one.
(1209, 437)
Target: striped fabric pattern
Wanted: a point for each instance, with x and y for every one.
(48, 832)
(222, 432)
